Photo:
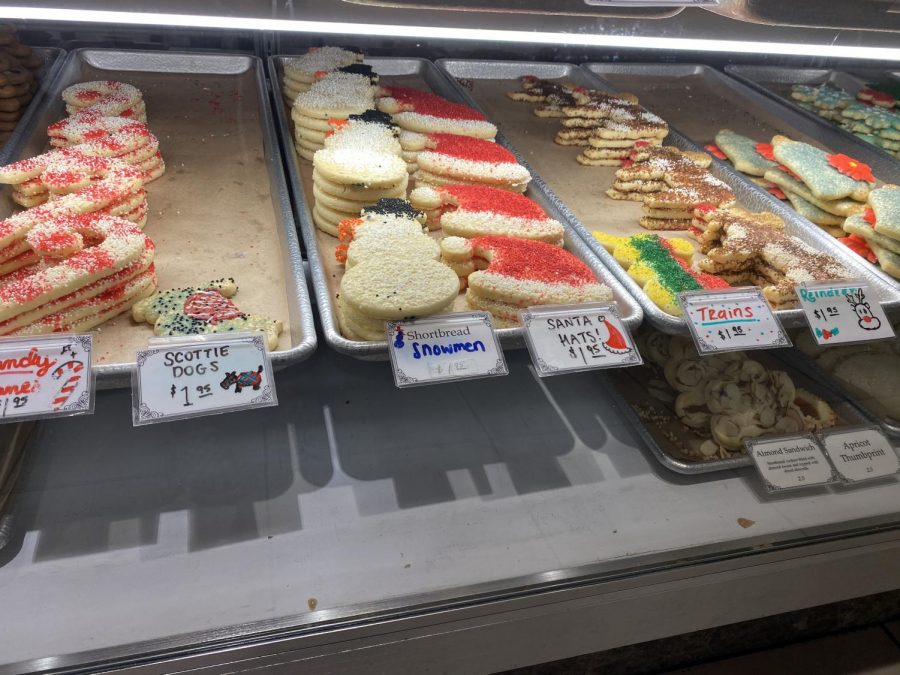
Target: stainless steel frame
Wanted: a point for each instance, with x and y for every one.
(30, 140)
(510, 338)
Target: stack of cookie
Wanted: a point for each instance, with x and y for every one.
(670, 184)
(300, 72)
(106, 97)
(17, 87)
(68, 172)
(335, 96)
(441, 159)
(392, 272)
(359, 165)
(879, 229)
(480, 210)
(743, 247)
(823, 187)
(552, 95)
(620, 128)
(90, 146)
(506, 275)
(871, 114)
(23, 54)
(425, 113)
(122, 138)
(581, 110)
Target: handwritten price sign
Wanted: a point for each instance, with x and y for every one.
(842, 312)
(736, 319)
(45, 377)
(202, 376)
(569, 338)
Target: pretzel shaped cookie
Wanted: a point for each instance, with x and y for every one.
(107, 97)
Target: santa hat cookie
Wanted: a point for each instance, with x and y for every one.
(480, 210)
(424, 112)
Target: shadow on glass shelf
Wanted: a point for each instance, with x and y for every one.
(343, 441)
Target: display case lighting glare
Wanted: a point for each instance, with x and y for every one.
(449, 33)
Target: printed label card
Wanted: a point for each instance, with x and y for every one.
(442, 348)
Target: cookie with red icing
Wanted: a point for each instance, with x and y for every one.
(480, 210)
(422, 111)
(196, 310)
(453, 157)
(513, 274)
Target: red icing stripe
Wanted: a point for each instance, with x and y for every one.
(415, 100)
(531, 260)
(482, 198)
(474, 149)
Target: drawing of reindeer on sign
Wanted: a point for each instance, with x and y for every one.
(844, 312)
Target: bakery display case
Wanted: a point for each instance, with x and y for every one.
(644, 184)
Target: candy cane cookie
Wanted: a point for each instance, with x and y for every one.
(108, 97)
(88, 183)
(62, 240)
(90, 313)
(140, 266)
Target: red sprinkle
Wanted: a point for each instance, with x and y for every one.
(532, 260)
(482, 198)
(473, 149)
(424, 103)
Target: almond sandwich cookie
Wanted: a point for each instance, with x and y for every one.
(425, 112)
(476, 210)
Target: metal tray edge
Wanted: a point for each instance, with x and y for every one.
(725, 172)
(119, 375)
(23, 129)
(861, 148)
(838, 141)
(510, 338)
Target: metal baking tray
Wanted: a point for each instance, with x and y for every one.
(775, 82)
(700, 100)
(212, 115)
(847, 410)
(414, 72)
(468, 73)
(53, 60)
(808, 365)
